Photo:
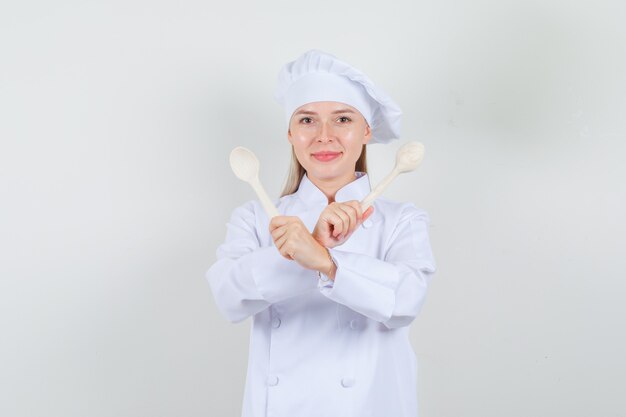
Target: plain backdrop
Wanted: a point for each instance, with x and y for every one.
(116, 121)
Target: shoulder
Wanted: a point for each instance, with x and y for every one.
(245, 209)
(254, 206)
(252, 211)
(246, 212)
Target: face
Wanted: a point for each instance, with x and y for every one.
(328, 138)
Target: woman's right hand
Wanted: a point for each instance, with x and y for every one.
(338, 221)
(294, 241)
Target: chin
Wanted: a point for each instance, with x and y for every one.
(325, 173)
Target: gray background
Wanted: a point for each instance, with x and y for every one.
(116, 120)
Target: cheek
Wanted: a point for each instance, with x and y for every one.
(301, 137)
(299, 143)
(353, 141)
(300, 146)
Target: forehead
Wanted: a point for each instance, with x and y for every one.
(325, 107)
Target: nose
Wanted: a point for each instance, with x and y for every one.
(326, 133)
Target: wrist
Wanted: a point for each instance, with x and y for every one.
(317, 238)
(328, 267)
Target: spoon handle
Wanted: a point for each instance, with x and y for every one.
(267, 204)
(378, 190)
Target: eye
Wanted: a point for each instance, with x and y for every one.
(305, 120)
(344, 119)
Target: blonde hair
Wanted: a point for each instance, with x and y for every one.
(296, 171)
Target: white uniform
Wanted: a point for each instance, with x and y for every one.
(327, 349)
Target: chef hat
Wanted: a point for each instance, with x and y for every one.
(319, 76)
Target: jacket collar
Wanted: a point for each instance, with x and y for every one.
(357, 189)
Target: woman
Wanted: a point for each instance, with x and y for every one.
(331, 290)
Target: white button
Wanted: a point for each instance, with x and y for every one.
(347, 381)
(367, 223)
(354, 324)
(272, 380)
(276, 323)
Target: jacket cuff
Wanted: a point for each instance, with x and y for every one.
(365, 284)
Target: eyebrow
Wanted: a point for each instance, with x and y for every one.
(334, 112)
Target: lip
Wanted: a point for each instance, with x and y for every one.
(326, 156)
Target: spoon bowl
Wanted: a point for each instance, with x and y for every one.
(245, 165)
(409, 156)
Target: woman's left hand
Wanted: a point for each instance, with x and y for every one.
(294, 241)
(338, 221)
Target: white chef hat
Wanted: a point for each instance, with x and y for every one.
(319, 76)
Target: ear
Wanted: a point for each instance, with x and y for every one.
(289, 138)
(368, 134)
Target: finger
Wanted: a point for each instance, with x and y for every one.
(352, 220)
(277, 221)
(279, 242)
(279, 231)
(343, 220)
(368, 212)
(289, 249)
(356, 205)
(331, 217)
(284, 248)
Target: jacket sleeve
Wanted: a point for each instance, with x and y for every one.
(392, 290)
(247, 278)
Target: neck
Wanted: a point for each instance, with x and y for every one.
(330, 186)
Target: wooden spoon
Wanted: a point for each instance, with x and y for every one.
(408, 158)
(245, 165)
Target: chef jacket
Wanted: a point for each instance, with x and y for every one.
(327, 348)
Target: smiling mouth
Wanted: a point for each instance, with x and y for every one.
(326, 156)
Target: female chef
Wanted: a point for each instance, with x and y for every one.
(331, 290)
